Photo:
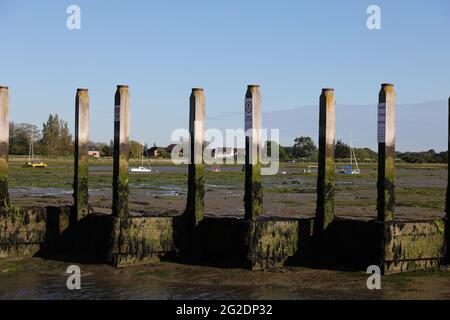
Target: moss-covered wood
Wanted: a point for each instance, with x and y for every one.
(447, 198)
(81, 173)
(413, 245)
(386, 183)
(139, 240)
(121, 152)
(263, 244)
(4, 147)
(196, 176)
(23, 231)
(326, 171)
(272, 242)
(81, 197)
(386, 154)
(4, 193)
(253, 196)
(196, 194)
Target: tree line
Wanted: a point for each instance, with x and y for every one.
(54, 139)
(305, 150)
(107, 149)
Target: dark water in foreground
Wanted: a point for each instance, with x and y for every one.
(39, 279)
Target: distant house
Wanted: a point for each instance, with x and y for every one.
(94, 153)
(170, 148)
(154, 152)
(159, 151)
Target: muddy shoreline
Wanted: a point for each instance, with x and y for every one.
(420, 195)
(420, 191)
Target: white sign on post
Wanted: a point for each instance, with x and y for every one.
(382, 123)
(248, 114)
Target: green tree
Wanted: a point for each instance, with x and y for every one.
(135, 150)
(20, 137)
(164, 154)
(65, 143)
(429, 156)
(56, 137)
(366, 154)
(304, 147)
(107, 150)
(282, 153)
(341, 150)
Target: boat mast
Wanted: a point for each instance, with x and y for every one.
(356, 160)
(30, 150)
(142, 155)
(351, 155)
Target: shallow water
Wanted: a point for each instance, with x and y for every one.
(36, 278)
(167, 282)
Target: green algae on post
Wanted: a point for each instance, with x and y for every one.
(325, 178)
(253, 197)
(4, 148)
(386, 154)
(121, 152)
(196, 184)
(80, 185)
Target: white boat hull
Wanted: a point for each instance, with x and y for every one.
(140, 169)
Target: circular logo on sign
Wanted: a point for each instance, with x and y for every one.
(248, 107)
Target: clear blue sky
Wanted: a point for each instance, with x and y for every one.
(164, 48)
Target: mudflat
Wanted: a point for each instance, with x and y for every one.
(420, 189)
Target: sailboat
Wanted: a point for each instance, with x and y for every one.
(353, 158)
(141, 169)
(349, 169)
(31, 162)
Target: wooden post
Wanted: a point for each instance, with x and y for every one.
(253, 198)
(325, 178)
(196, 184)
(4, 148)
(121, 152)
(447, 198)
(386, 154)
(81, 194)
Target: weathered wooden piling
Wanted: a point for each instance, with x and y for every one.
(121, 152)
(447, 198)
(196, 184)
(386, 154)
(325, 178)
(80, 184)
(4, 148)
(253, 198)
